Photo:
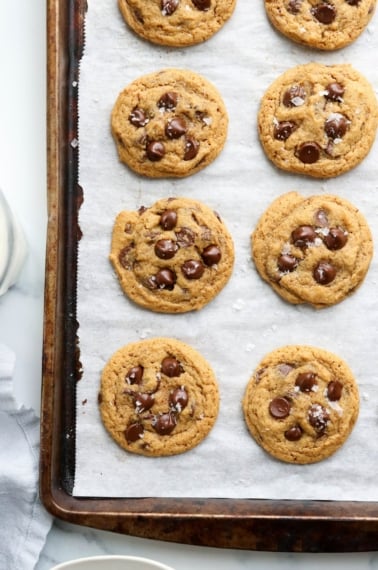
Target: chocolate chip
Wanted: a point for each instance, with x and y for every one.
(192, 269)
(305, 381)
(143, 402)
(202, 5)
(353, 2)
(135, 375)
(324, 273)
(303, 235)
(308, 152)
(335, 239)
(283, 130)
(279, 408)
(138, 117)
(295, 96)
(325, 13)
(321, 218)
(334, 92)
(126, 257)
(185, 237)
(168, 101)
(168, 219)
(318, 417)
(168, 7)
(134, 432)
(178, 399)
(294, 433)
(287, 263)
(171, 367)
(334, 390)
(155, 151)
(175, 128)
(165, 279)
(164, 424)
(211, 255)
(191, 148)
(294, 6)
(336, 126)
(165, 248)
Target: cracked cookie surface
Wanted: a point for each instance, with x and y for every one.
(176, 23)
(301, 404)
(321, 24)
(318, 120)
(158, 397)
(169, 124)
(173, 257)
(314, 250)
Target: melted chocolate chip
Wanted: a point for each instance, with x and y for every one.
(168, 101)
(294, 433)
(335, 239)
(283, 130)
(155, 151)
(135, 375)
(353, 2)
(178, 399)
(334, 92)
(175, 128)
(294, 96)
(284, 369)
(308, 152)
(185, 237)
(287, 263)
(279, 408)
(318, 417)
(134, 432)
(294, 6)
(193, 269)
(321, 218)
(325, 13)
(303, 235)
(211, 255)
(334, 390)
(191, 148)
(202, 5)
(166, 248)
(168, 7)
(164, 424)
(164, 279)
(324, 273)
(168, 219)
(126, 257)
(138, 117)
(336, 126)
(171, 367)
(305, 381)
(143, 402)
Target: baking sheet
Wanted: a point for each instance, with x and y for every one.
(247, 319)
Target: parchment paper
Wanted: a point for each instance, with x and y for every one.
(247, 320)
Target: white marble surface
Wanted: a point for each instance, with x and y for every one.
(22, 178)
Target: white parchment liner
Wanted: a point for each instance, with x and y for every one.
(247, 319)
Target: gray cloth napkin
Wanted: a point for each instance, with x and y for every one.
(24, 523)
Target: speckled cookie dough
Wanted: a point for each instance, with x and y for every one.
(176, 23)
(321, 24)
(173, 257)
(314, 250)
(169, 124)
(318, 120)
(158, 397)
(301, 404)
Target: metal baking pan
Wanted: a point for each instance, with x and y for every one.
(270, 525)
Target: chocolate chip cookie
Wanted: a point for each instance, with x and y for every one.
(314, 250)
(176, 23)
(158, 397)
(318, 120)
(322, 24)
(171, 123)
(173, 257)
(301, 404)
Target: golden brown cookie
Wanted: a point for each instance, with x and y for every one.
(173, 257)
(158, 397)
(319, 120)
(176, 23)
(314, 250)
(321, 24)
(301, 404)
(171, 123)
